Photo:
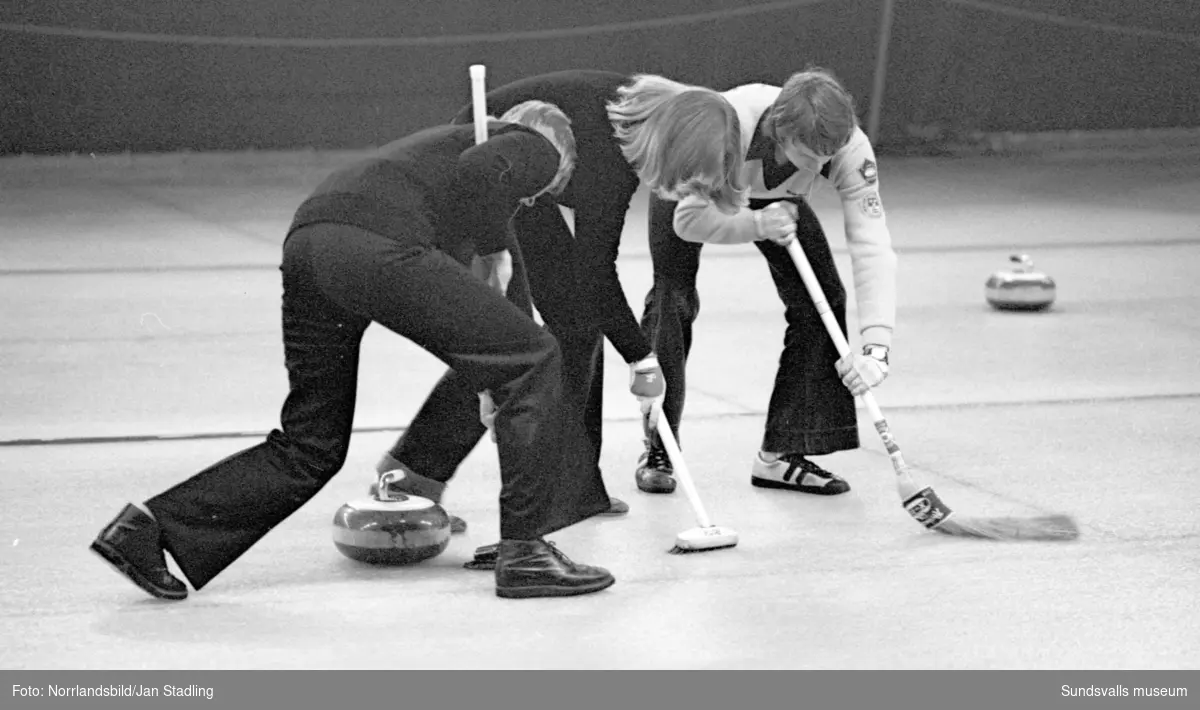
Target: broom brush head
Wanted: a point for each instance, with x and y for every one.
(704, 539)
(927, 508)
(1054, 528)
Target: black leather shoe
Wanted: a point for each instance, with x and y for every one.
(485, 557)
(616, 508)
(536, 568)
(131, 544)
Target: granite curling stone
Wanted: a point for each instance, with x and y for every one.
(1022, 288)
(391, 529)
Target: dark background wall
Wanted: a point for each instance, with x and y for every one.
(163, 75)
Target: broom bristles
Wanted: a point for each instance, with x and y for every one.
(677, 550)
(1045, 527)
(934, 514)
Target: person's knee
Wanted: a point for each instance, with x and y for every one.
(319, 456)
(678, 296)
(541, 352)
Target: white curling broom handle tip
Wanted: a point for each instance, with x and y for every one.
(479, 101)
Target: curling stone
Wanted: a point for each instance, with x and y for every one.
(391, 529)
(1021, 289)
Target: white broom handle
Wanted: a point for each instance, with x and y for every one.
(681, 470)
(479, 117)
(827, 317)
(479, 101)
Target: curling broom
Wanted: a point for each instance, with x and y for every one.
(923, 504)
(479, 118)
(706, 536)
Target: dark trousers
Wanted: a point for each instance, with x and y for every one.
(545, 270)
(337, 280)
(810, 412)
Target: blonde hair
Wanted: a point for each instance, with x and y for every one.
(813, 108)
(681, 139)
(551, 122)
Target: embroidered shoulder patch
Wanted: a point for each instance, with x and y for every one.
(869, 171)
(872, 206)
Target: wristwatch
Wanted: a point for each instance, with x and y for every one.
(879, 352)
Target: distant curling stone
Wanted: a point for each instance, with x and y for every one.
(1021, 289)
(391, 529)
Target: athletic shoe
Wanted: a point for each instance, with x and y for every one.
(793, 472)
(654, 472)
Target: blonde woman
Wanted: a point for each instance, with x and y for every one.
(624, 130)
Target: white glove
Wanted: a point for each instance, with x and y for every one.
(647, 384)
(862, 372)
(776, 222)
(487, 412)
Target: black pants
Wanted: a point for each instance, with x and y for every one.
(446, 428)
(336, 281)
(811, 412)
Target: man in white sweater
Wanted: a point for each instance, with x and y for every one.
(791, 134)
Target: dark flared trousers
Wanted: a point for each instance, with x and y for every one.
(810, 412)
(337, 280)
(545, 270)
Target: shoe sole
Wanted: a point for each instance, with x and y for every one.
(131, 573)
(811, 490)
(656, 488)
(615, 511)
(553, 590)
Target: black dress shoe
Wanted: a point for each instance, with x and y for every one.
(485, 557)
(616, 508)
(536, 568)
(131, 543)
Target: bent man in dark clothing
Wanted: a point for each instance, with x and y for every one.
(389, 240)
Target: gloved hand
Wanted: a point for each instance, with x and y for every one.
(647, 384)
(777, 222)
(487, 412)
(862, 372)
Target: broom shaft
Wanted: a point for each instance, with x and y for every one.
(926, 507)
(681, 470)
(827, 317)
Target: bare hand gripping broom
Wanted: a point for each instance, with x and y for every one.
(922, 503)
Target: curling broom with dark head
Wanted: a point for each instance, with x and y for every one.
(922, 503)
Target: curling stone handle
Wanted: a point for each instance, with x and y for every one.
(385, 478)
(1024, 260)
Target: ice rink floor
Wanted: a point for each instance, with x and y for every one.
(140, 343)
